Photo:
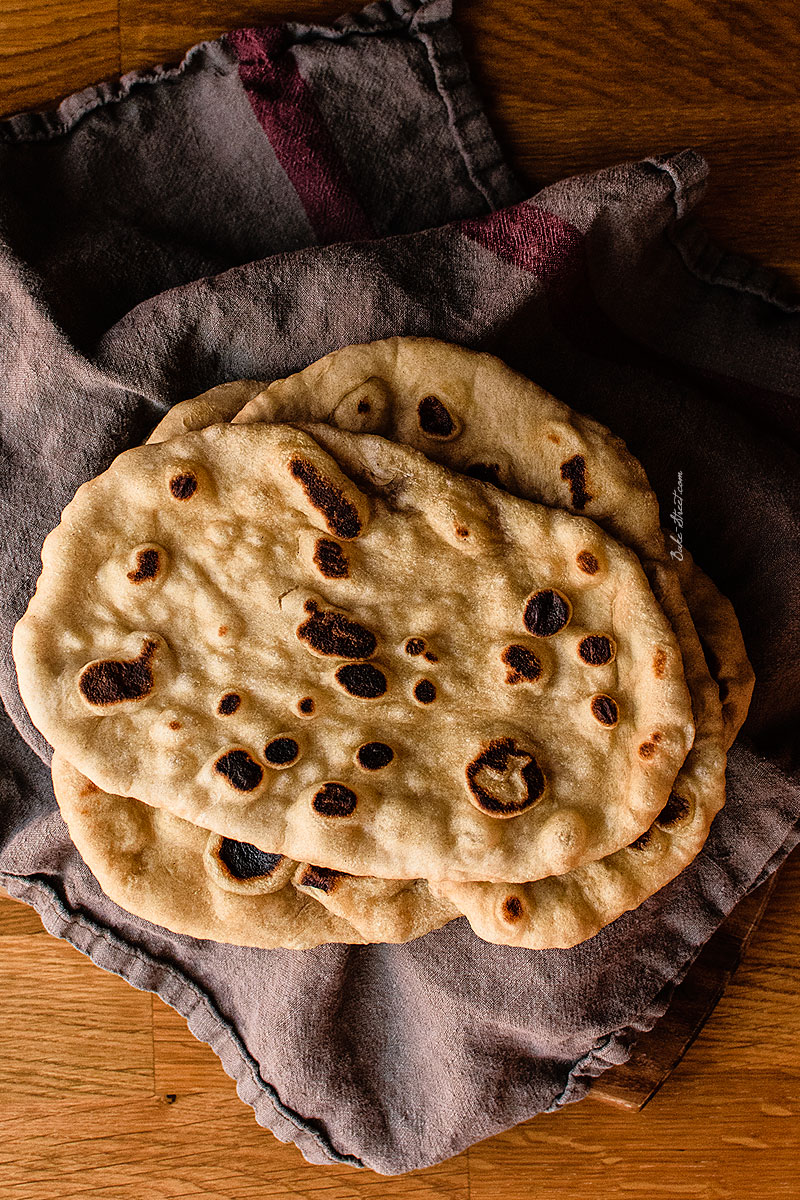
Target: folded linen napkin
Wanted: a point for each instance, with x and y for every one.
(241, 215)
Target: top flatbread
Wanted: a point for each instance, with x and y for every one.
(206, 600)
(143, 859)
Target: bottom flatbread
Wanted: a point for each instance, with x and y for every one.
(178, 875)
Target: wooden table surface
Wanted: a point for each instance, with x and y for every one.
(104, 1092)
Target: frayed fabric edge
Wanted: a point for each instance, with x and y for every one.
(51, 123)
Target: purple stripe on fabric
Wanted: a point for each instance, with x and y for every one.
(288, 114)
(529, 238)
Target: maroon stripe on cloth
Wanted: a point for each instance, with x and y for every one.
(288, 114)
(529, 238)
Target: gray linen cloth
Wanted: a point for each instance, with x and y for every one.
(244, 213)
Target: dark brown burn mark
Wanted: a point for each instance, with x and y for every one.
(414, 646)
(341, 515)
(330, 559)
(363, 406)
(361, 680)
(245, 861)
(495, 757)
(597, 649)
(281, 751)
(372, 756)
(229, 704)
(512, 909)
(240, 770)
(573, 471)
(324, 879)
(425, 691)
(588, 562)
(334, 800)
(659, 663)
(223, 629)
(642, 841)
(553, 437)
(335, 635)
(522, 663)
(431, 657)
(434, 419)
(176, 724)
(147, 566)
(674, 812)
(605, 710)
(486, 473)
(461, 531)
(546, 613)
(114, 680)
(306, 706)
(183, 486)
(647, 749)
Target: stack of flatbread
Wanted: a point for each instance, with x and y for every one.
(394, 640)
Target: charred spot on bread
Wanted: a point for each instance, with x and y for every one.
(546, 612)
(113, 680)
(573, 471)
(245, 861)
(362, 680)
(330, 559)
(240, 770)
(373, 756)
(605, 710)
(334, 800)
(184, 485)
(334, 635)
(281, 751)
(341, 515)
(523, 665)
(435, 419)
(489, 773)
(597, 649)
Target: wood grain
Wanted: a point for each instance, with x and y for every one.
(687, 1143)
(69, 1029)
(104, 1091)
(53, 47)
(151, 31)
(203, 1145)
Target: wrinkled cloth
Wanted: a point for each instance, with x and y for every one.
(286, 191)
